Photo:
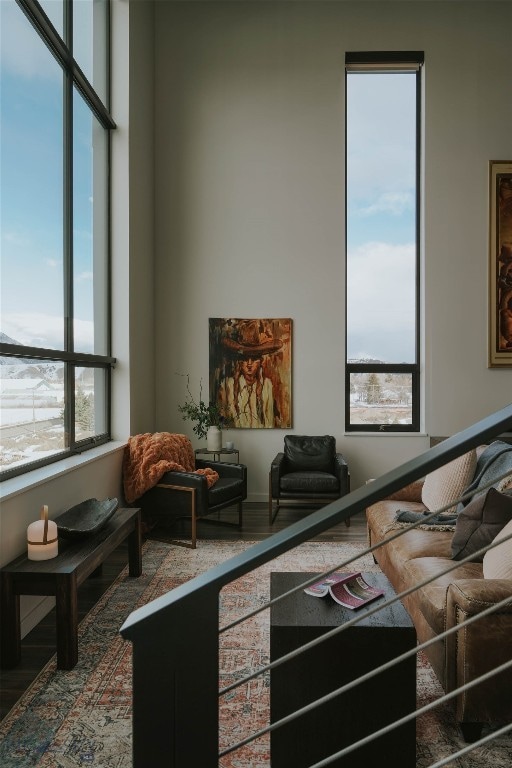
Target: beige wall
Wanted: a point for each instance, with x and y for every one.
(249, 200)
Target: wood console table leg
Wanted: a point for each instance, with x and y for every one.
(67, 621)
(10, 632)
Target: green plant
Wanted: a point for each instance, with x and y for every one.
(204, 414)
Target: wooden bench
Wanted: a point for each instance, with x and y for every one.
(61, 577)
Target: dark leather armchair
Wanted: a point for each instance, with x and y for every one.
(185, 494)
(309, 470)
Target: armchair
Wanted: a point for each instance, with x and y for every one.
(184, 494)
(308, 471)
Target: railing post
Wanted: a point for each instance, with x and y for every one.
(175, 685)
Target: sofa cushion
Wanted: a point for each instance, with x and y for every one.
(309, 482)
(305, 452)
(498, 561)
(381, 519)
(447, 484)
(480, 522)
(225, 488)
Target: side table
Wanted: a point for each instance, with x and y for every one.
(351, 716)
(222, 452)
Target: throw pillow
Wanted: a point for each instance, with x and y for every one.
(480, 522)
(498, 561)
(447, 484)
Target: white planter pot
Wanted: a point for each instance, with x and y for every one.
(214, 439)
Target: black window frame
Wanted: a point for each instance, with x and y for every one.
(73, 77)
(389, 61)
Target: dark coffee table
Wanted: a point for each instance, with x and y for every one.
(370, 706)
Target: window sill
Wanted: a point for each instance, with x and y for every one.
(385, 434)
(16, 485)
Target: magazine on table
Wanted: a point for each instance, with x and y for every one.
(348, 589)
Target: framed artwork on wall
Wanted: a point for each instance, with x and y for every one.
(500, 263)
(250, 371)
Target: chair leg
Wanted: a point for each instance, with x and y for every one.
(272, 513)
(347, 522)
(240, 512)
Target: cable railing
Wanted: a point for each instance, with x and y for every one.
(176, 638)
(373, 673)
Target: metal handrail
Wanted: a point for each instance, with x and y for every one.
(176, 637)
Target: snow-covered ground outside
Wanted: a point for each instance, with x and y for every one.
(27, 415)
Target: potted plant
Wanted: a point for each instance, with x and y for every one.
(208, 417)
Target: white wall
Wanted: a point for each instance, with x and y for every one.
(133, 341)
(249, 200)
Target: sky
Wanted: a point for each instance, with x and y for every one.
(32, 191)
(381, 157)
(380, 199)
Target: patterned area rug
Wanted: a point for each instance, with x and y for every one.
(82, 717)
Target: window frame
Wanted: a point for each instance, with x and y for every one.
(388, 61)
(73, 77)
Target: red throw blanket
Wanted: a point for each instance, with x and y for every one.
(149, 456)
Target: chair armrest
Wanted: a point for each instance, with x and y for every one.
(471, 596)
(277, 468)
(342, 473)
(480, 646)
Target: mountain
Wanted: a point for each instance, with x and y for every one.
(365, 360)
(22, 368)
(5, 339)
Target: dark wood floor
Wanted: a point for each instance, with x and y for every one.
(38, 646)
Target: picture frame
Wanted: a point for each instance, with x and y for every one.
(250, 371)
(500, 264)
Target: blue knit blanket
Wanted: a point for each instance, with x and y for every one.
(492, 464)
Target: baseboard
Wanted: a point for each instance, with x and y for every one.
(257, 498)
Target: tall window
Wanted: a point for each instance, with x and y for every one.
(55, 308)
(383, 101)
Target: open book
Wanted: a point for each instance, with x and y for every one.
(348, 589)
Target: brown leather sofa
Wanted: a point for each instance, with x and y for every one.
(444, 603)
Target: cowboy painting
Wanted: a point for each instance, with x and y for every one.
(250, 371)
